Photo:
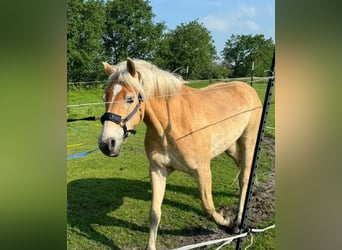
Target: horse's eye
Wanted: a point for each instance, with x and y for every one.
(130, 100)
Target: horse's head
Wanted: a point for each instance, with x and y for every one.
(124, 107)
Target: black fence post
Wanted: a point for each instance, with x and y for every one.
(267, 102)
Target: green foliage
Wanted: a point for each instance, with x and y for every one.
(84, 34)
(189, 50)
(130, 30)
(74, 13)
(218, 71)
(241, 51)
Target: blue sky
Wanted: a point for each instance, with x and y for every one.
(221, 17)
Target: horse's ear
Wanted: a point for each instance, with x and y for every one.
(108, 68)
(131, 67)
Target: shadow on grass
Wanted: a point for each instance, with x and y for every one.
(90, 200)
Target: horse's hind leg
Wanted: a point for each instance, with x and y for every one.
(234, 152)
(203, 178)
(247, 145)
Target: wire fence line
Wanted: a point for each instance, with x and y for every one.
(86, 82)
(257, 80)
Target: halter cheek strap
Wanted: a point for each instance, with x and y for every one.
(122, 122)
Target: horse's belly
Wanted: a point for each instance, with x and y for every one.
(226, 136)
(182, 165)
(172, 158)
(220, 146)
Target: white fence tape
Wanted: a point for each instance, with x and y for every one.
(225, 241)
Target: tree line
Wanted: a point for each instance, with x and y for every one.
(113, 30)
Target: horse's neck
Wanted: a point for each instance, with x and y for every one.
(154, 114)
(158, 111)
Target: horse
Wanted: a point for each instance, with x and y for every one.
(185, 129)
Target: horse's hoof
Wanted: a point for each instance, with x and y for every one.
(232, 229)
(232, 219)
(235, 230)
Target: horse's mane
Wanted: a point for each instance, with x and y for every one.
(152, 81)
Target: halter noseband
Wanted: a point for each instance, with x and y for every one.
(122, 122)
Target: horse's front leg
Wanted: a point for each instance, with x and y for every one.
(158, 177)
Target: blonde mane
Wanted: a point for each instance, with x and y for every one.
(152, 81)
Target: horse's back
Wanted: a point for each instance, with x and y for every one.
(226, 103)
(238, 91)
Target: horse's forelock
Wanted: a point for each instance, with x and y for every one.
(122, 76)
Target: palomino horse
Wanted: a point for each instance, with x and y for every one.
(186, 128)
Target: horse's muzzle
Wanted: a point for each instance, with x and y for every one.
(109, 147)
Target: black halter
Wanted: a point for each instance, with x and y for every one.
(122, 122)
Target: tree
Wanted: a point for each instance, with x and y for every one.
(219, 70)
(74, 14)
(241, 51)
(189, 50)
(84, 35)
(130, 30)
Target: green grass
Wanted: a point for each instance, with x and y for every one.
(109, 198)
(81, 96)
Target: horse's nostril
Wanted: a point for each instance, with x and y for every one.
(112, 142)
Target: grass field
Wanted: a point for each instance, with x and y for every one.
(109, 199)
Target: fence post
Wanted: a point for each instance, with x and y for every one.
(252, 74)
(267, 102)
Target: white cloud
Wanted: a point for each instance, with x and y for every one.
(243, 19)
(218, 23)
(248, 11)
